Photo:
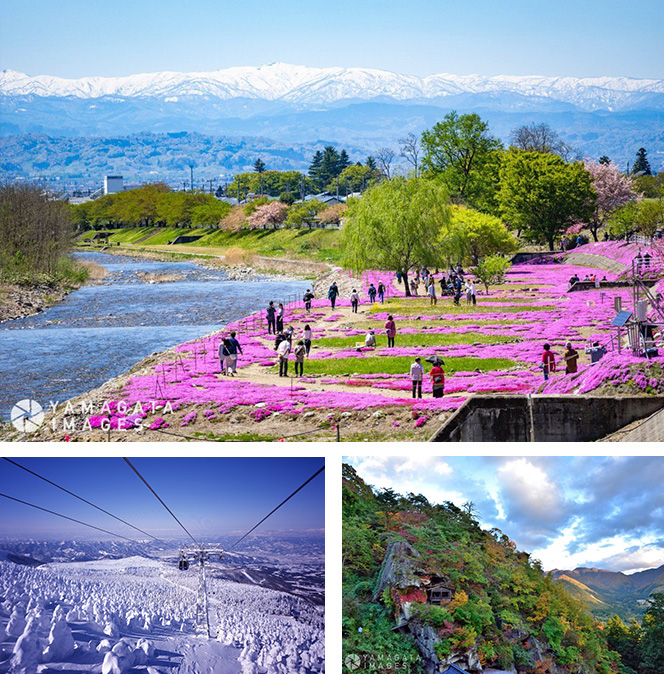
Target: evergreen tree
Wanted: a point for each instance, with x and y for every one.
(604, 159)
(344, 162)
(371, 163)
(315, 167)
(259, 165)
(641, 165)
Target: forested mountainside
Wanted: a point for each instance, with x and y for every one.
(497, 608)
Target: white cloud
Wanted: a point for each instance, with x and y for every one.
(528, 488)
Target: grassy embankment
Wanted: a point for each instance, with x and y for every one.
(318, 245)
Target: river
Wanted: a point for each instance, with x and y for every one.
(101, 331)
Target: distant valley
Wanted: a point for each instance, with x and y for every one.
(608, 592)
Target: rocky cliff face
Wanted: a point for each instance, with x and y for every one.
(404, 577)
(402, 585)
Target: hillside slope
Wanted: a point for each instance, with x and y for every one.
(497, 608)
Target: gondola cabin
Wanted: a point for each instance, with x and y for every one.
(183, 564)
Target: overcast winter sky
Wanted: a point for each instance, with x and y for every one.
(75, 38)
(604, 512)
(208, 495)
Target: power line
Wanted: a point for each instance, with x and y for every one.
(80, 498)
(71, 519)
(129, 463)
(304, 484)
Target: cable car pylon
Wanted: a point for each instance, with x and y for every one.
(202, 555)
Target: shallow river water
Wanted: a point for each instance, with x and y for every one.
(101, 331)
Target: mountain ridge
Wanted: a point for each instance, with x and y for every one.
(308, 86)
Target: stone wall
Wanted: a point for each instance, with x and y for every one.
(542, 418)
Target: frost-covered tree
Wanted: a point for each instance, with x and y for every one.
(27, 650)
(61, 644)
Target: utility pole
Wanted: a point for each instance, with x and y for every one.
(202, 555)
(210, 181)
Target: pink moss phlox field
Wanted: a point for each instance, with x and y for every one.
(193, 376)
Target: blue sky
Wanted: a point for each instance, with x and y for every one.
(76, 38)
(603, 512)
(208, 495)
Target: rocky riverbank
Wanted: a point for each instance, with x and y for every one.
(20, 302)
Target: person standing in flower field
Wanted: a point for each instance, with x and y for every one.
(354, 300)
(432, 293)
(548, 361)
(381, 293)
(299, 352)
(224, 355)
(416, 376)
(571, 357)
(307, 337)
(332, 293)
(371, 291)
(283, 350)
(473, 293)
(307, 297)
(391, 331)
(437, 376)
(271, 322)
(234, 348)
(280, 318)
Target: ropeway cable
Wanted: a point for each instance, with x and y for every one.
(145, 482)
(80, 498)
(304, 484)
(71, 519)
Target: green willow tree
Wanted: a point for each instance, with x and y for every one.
(395, 225)
(541, 196)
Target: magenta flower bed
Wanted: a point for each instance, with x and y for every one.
(193, 377)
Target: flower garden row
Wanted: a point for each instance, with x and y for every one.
(494, 347)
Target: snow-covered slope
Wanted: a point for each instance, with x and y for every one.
(138, 615)
(308, 87)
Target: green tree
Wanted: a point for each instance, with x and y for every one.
(491, 271)
(652, 640)
(641, 165)
(394, 225)
(355, 178)
(541, 195)
(259, 165)
(472, 235)
(650, 216)
(461, 151)
(304, 213)
(604, 159)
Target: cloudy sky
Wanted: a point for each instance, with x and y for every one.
(604, 512)
(75, 38)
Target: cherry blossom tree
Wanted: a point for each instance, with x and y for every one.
(613, 191)
(272, 214)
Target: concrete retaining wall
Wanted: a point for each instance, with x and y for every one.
(542, 418)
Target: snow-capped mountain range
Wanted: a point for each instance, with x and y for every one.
(307, 87)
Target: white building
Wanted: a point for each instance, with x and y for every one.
(113, 184)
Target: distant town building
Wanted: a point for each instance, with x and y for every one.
(113, 184)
